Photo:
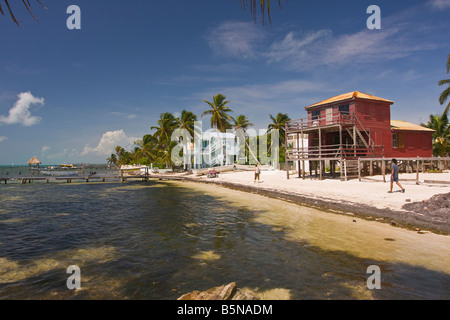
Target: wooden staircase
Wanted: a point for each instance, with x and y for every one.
(350, 170)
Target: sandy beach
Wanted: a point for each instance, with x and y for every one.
(367, 199)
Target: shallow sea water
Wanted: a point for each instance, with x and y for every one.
(159, 240)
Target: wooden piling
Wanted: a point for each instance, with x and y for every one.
(417, 170)
(359, 169)
(320, 170)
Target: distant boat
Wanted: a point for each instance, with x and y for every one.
(67, 165)
(135, 169)
(64, 169)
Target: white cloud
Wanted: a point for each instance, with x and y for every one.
(20, 113)
(3, 138)
(364, 46)
(402, 34)
(235, 39)
(108, 142)
(292, 48)
(395, 40)
(440, 4)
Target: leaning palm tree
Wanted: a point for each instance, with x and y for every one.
(27, 5)
(446, 93)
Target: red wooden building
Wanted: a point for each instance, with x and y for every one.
(410, 140)
(354, 125)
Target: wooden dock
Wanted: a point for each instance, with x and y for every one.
(67, 179)
(70, 179)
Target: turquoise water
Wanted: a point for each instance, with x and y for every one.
(159, 240)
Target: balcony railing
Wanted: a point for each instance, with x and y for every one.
(333, 151)
(312, 122)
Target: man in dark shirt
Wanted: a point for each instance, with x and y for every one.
(394, 175)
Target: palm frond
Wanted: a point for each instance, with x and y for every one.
(444, 96)
(448, 63)
(27, 6)
(264, 6)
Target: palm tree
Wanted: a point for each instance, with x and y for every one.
(446, 93)
(167, 124)
(147, 147)
(279, 123)
(441, 137)
(166, 154)
(242, 122)
(27, 5)
(119, 151)
(186, 122)
(220, 119)
(123, 156)
(112, 159)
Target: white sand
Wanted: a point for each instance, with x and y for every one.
(371, 193)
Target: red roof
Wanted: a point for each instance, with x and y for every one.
(348, 96)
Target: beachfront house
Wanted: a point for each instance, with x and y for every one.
(217, 149)
(214, 149)
(349, 126)
(410, 140)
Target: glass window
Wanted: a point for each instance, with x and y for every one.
(344, 109)
(315, 114)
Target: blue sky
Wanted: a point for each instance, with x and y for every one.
(72, 95)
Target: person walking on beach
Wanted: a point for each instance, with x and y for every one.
(257, 172)
(394, 176)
